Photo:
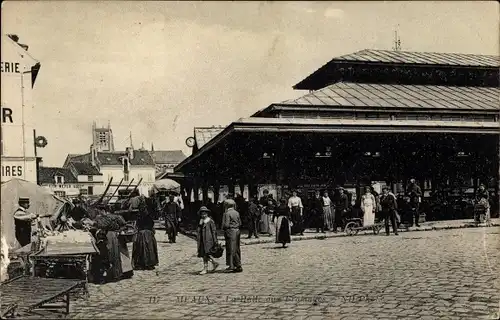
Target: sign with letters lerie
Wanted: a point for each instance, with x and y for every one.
(16, 113)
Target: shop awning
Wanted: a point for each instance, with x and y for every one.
(322, 126)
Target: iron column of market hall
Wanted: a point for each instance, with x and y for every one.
(375, 116)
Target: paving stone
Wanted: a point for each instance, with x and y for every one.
(424, 275)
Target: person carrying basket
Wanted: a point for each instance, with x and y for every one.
(208, 245)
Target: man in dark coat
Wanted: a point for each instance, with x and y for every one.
(415, 194)
(389, 205)
(341, 206)
(231, 224)
(253, 218)
(319, 216)
(172, 215)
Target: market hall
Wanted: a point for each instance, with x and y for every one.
(371, 116)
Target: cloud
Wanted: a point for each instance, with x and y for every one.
(334, 13)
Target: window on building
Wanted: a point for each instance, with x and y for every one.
(90, 190)
(102, 137)
(83, 191)
(59, 179)
(60, 193)
(90, 178)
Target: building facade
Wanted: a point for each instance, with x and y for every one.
(19, 71)
(74, 180)
(371, 117)
(128, 167)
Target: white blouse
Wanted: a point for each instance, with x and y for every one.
(327, 202)
(295, 202)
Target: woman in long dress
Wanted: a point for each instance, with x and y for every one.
(110, 225)
(207, 239)
(329, 218)
(145, 248)
(296, 208)
(283, 229)
(368, 205)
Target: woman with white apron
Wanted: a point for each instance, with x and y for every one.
(368, 207)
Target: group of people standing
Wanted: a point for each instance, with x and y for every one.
(330, 214)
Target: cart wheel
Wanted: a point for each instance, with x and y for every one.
(376, 229)
(350, 229)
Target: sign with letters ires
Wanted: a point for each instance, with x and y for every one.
(17, 112)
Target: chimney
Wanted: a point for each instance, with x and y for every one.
(92, 155)
(130, 152)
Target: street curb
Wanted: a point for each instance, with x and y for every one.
(193, 235)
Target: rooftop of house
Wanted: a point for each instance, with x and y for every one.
(141, 158)
(168, 156)
(47, 175)
(85, 168)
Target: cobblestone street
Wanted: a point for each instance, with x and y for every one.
(452, 274)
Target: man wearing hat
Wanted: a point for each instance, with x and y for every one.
(172, 215)
(231, 224)
(23, 221)
(389, 206)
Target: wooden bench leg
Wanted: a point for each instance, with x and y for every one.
(67, 303)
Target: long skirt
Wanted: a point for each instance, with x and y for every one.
(264, 223)
(145, 250)
(368, 215)
(115, 270)
(272, 224)
(283, 230)
(329, 217)
(296, 220)
(233, 252)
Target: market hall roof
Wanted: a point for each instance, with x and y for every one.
(47, 175)
(372, 95)
(202, 135)
(407, 57)
(460, 68)
(339, 126)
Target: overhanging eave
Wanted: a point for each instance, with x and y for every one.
(280, 125)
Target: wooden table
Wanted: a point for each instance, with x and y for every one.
(78, 255)
(29, 293)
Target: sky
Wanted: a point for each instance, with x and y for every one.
(159, 69)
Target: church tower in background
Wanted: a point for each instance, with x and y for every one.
(102, 138)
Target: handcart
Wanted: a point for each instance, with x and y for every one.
(354, 225)
(481, 212)
(24, 294)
